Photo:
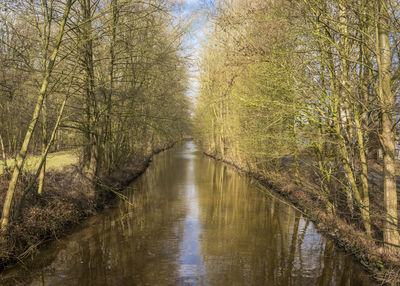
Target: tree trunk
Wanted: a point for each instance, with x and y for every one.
(44, 145)
(91, 102)
(3, 152)
(108, 123)
(385, 97)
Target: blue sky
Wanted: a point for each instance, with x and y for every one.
(193, 11)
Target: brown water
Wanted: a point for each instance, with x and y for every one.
(195, 221)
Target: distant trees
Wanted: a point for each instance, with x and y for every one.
(318, 81)
(103, 75)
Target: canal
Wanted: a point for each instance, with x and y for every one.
(191, 220)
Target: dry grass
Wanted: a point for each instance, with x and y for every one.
(62, 204)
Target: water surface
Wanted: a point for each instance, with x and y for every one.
(192, 221)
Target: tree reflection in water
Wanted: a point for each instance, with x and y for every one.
(252, 239)
(195, 221)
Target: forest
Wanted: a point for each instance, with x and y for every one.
(302, 96)
(104, 82)
(305, 96)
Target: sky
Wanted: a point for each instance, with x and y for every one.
(193, 11)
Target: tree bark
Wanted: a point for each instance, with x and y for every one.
(44, 145)
(385, 97)
(91, 102)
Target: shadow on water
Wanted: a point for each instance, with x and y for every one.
(195, 221)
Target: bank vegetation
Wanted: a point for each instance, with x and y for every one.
(304, 95)
(105, 79)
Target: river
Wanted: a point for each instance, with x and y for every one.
(192, 221)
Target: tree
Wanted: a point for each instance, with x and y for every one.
(35, 117)
(386, 99)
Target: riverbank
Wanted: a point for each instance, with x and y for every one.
(63, 204)
(383, 264)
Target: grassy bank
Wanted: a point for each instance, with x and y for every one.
(64, 203)
(55, 161)
(383, 264)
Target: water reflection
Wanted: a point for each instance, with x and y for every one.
(252, 239)
(195, 222)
